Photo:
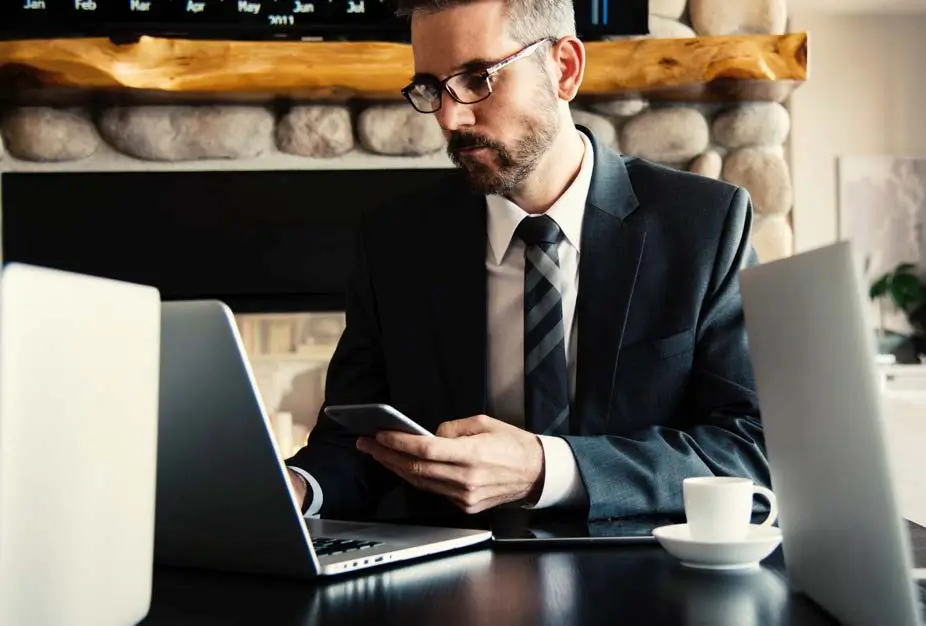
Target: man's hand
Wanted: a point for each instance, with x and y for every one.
(299, 487)
(477, 462)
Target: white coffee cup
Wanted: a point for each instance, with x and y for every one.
(719, 508)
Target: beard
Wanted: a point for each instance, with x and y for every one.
(506, 168)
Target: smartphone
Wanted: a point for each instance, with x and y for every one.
(369, 419)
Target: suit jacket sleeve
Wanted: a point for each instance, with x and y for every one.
(641, 473)
(352, 482)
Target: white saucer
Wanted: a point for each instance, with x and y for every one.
(745, 554)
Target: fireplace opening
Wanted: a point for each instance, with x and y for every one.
(275, 246)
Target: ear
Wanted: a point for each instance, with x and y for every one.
(569, 60)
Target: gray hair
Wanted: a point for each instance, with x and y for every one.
(528, 20)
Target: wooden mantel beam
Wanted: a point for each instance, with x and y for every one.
(765, 67)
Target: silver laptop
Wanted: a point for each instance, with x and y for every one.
(224, 500)
(813, 349)
(78, 444)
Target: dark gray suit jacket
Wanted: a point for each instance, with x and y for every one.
(664, 385)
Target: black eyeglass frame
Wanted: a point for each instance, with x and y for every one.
(484, 74)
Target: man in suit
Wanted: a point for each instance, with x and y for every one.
(567, 320)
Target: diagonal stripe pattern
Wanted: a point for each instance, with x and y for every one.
(546, 390)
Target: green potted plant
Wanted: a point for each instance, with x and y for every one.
(908, 293)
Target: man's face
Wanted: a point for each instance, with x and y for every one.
(499, 141)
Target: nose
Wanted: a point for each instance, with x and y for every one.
(452, 115)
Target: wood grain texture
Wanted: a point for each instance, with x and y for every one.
(766, 67)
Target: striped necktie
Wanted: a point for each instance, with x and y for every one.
(546, 387)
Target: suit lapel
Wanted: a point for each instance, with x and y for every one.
(459, 303)
(611, 250)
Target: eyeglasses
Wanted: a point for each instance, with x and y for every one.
(469, 87)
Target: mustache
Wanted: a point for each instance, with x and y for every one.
(462, 140)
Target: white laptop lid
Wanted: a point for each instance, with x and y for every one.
(79, 366)
(845, 543)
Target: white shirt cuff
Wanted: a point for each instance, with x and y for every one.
(317, 499)
(562, 484)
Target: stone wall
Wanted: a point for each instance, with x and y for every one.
(739, 142)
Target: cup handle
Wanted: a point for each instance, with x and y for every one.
(772, 504)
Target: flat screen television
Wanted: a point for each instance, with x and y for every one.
(126, 20)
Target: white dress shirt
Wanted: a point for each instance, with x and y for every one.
(562, 484)
(505, 265)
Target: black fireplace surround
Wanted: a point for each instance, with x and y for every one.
(261, 241)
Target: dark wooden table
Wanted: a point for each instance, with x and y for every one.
(609, 585)
(512, 587)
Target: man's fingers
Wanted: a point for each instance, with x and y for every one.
(468, 499)
(380, 452)
(474, 425)
(413, 465)
(454, 482)
(430, 448)
(448, 489)
(468, 485)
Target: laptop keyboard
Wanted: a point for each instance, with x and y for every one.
(326, 546)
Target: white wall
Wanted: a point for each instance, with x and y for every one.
(866, 95)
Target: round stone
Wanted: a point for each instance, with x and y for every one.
(672, 9)
(760, 124)
(188, 133)
(619, 108)
(708, 164)
(665, 28)
(733, 17)
(316, 131)
(398, 130)
(601, 127)
(765, 175)
(778, 150)
(667, 135)
(772, 237)
(49, 135)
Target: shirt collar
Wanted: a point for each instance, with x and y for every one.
(504, 215)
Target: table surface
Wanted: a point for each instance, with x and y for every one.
(511, 587)
(613, 585)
